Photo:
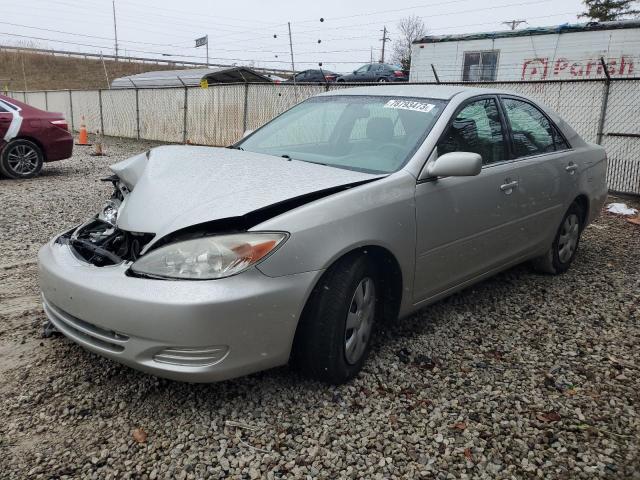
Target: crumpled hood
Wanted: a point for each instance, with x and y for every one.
(179, 186)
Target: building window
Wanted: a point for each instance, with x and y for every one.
(480, 66)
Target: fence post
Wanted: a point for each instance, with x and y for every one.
(184, 116)
(605, 102)
(101, 117)
(71, 110)
(137, 115)
(245, 120)
(46, 100)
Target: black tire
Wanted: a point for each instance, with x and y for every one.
(319, 349)
(21, 148)
(553, 261)
(382, 80)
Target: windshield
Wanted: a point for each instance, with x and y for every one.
(366, 133)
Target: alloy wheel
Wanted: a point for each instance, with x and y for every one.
(22, 159)
(568, 239)
(359, 320)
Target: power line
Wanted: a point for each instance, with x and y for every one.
(174, 46)
(441, 14)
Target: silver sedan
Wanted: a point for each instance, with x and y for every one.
(353, 207)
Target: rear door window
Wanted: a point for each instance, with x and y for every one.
(531, 130)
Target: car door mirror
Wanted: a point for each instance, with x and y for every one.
(455, 164)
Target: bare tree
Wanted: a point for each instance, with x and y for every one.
(409, 29)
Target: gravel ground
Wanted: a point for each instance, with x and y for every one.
(521, 376)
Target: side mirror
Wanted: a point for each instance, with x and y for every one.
(355, 72)
(247, 133)
(455, 164)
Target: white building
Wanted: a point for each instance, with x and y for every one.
(564, 52)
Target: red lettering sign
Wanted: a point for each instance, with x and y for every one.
(539, 68)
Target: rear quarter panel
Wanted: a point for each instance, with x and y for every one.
(593, 179)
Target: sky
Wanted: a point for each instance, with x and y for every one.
(255, 33)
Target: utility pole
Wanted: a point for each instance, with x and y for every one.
(115, 27)
(371, 55)
(514, 23)
(293, 66)
(384, 40)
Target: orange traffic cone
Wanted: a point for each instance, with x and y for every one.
(83, 137)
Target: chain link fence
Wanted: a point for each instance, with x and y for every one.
(601, 111)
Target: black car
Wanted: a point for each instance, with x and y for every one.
(314, 76)
(376, 72)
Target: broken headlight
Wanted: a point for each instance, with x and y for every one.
(208, 258)
(109, 212)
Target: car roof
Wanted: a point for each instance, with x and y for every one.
(439, 92)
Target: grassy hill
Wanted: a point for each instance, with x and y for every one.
(45, 71)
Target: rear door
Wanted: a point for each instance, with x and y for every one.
(547, 170)
(468, 226)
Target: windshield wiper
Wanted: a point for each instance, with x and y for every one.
(284, 155)
(235, 147)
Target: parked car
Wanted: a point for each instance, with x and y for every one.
(29, 137)
(352, 207)
(376, 72)
(314, 76)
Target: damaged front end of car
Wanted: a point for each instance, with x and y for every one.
(99, 241)
(157, 222)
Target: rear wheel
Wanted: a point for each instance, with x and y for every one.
(21, 159)
(333, 338)
(382, 80)
(565, 244)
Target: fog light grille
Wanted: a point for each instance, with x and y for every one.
(192, 357)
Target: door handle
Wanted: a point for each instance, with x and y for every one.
(508, 187)
(571, 168)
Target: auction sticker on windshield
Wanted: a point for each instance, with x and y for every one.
(410, 105)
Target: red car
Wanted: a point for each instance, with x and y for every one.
(29, 137)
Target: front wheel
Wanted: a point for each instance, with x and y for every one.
(565, 244)
(21, 159)
(334, 334)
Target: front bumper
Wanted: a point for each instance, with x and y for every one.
(197, 331)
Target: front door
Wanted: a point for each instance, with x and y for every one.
(468, 226)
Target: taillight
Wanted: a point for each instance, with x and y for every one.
(398, 73)
(60, 124)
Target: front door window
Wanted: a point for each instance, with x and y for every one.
(476, 128)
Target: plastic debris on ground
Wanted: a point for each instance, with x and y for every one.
(621, 209)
